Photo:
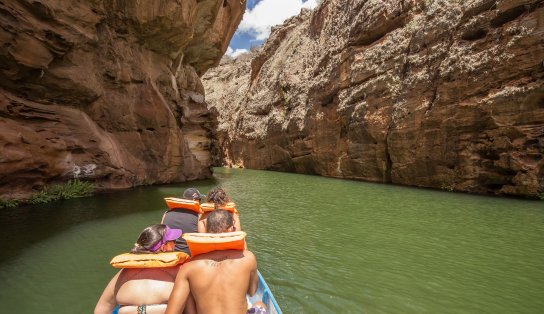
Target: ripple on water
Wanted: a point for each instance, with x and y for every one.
(323, 245)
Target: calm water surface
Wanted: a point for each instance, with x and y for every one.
(323, 245)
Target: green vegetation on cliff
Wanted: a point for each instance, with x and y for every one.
(71, 189)
(8, 203)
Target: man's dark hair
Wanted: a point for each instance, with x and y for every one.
(192, 194)
(218, 196)
(219, 221)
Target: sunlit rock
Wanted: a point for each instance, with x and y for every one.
(441, 94)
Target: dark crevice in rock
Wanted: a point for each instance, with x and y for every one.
(368, 78)
(369, 38)
(8, 18)
(388, 161)
(39, 10)
(109, 77)
(433, 97)
(541, 182)
(302, 155)
(76, 150)
(329, 99)
(494, 186)
(179, 116)
(480, 8)
(474, 34)
(507, 16)
(56, 43)
(510, 15)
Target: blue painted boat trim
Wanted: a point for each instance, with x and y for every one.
(267, 296)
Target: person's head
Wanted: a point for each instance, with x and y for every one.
(156, 238)
(192, 194)
(218, 196)
(219, 221)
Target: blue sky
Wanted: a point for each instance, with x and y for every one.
(258, 19)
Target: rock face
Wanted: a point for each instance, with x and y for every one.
(108, 90)
(441, 94)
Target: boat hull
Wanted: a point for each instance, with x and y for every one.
(264, 295)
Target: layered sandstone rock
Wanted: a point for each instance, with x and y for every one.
(441, 94)
(107, 90)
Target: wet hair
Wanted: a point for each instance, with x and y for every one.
(219, 221)
(148, 238)
(218, 196)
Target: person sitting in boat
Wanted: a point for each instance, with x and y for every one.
(142, 290)
(218, 280)
(183, 218)
(217, 198)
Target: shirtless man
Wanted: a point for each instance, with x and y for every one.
(218, 280)
(142, 290)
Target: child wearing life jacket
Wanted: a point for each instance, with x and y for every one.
(217, 198)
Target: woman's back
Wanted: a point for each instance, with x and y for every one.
(145, 285)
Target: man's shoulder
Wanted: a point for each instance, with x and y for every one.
(223, 255)
(249, 254)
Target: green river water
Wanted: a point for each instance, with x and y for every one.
(323, 245)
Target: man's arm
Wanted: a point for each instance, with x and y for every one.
(201, 228)
(107, 301)
(253, 277)
(180, 292)
(237, 223)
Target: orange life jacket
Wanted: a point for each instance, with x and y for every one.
(173, 202)
(208, 207)
(200, 243)
(149, 260)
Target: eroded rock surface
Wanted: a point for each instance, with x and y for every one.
(107, 90)
(441, 94)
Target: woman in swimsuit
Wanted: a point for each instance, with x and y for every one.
(143, 290)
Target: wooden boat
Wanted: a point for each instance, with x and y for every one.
(264, 295)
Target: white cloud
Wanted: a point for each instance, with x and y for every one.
(267, 13)
(310, 4)
(235, 53)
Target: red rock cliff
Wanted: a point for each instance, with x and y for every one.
(107, 90)
(441, 94)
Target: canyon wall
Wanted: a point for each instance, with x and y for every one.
(107, 91)
(439, 94)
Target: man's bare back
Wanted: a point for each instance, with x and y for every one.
(218, 280)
